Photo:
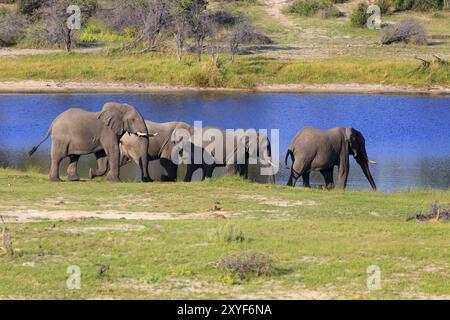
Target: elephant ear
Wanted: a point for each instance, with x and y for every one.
(113, 119)
(351, 135)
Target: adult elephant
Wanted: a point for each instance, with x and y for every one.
(78, 132)
(235, 151)
(318, 150)
(160, 148)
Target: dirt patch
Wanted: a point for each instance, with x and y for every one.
(278, 202)
(117, 227)
(25, 216)
(13, 52)
(179, 288)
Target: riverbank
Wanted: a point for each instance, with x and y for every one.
(63, 87)
(101, 72)
(135, 240)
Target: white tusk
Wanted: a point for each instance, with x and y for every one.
(141, 134)
(372, 162)
(272, 164)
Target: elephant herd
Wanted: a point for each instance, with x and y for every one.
(118, 134)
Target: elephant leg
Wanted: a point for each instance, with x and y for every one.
(189, 173)
(72, 169)
(329, 178)
(306, 180)
(102, 166)
(57, 155)
(113, 155)
(243, 171)
(208, 172)
(297, 171)
(171, 169)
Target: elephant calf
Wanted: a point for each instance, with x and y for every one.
(132, 149)
(318, 150)
(78, 132)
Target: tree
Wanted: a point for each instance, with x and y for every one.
(199, 23)
(55, 16)
(149, 18)
(12, 26)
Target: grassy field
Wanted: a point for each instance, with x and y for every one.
(321, 242)
(245, 72)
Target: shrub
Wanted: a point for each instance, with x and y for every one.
(401, 5)
(244, 264)
(35, 37)
(28, 7)
(327, 13)
(358, 18)
(308, 7)
(12, 28)
(427, 5)
(227, 233)
(384, 5)
(420, 5)
(409, 30)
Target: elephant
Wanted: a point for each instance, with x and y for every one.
(78, 132)
(318, 150)
(246, 144)
(158, 148)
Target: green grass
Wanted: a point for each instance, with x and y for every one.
(245, 72)
(322, 245)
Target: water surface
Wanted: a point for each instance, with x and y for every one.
(409, 136)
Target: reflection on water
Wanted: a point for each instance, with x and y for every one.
(409, 137)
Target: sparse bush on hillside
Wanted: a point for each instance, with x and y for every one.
(358, 17)
(409, 30)
(308, 7)
(12, 26)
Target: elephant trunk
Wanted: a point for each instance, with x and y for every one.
(365, 167)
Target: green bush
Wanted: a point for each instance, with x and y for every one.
(308, 7)
(420, 5)
(358, 18)
(227, 233)
(384, 5)
(427, 5)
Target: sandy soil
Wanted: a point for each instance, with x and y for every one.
(31, 86)
(25, 216)
(14, 52)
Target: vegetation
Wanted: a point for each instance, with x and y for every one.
(319, 243)
(247, 72)
(407, 31)
(309, 7)
(359, 15)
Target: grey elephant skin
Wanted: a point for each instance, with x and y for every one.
(78, 132)
(160, 147)
(319, 150)
(259, 147)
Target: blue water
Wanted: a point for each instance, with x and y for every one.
(409, 136)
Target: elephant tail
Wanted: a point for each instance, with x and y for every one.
(35, 148)
(291, 154)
